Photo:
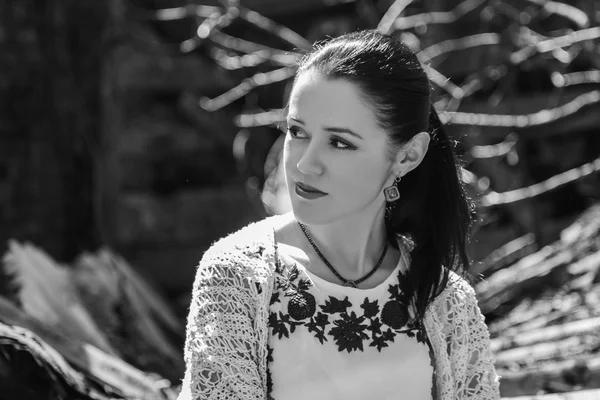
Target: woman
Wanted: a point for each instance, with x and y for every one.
(356, 293)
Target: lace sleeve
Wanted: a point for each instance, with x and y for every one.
(220, 348)
(474, 360)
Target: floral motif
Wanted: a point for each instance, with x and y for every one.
(394, 314)
(378, 325)
(348, 332)
(269, 377)
(275, 297)
(254, 250)
(371, 308)
(302, 304)
(335, 306)
(380, 341)
(280, 324)
(317, 326)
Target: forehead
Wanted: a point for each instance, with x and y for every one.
(321, 100)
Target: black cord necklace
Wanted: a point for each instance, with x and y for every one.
(346, 282)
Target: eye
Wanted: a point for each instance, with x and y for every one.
(295, 132)
(341, 145)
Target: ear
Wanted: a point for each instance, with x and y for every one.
(411, 154)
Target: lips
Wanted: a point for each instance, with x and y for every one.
(308, 192)
(308, 188)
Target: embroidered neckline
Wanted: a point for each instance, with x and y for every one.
(351, 332)
(378, 323)
(341, 289)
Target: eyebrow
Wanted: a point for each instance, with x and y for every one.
(332, 128)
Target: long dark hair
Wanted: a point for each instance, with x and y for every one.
(433, 209)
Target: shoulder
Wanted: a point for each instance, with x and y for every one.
(457, 299)
(248, 252)
(459, 286)
(248, 241)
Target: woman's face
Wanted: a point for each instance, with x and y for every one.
(335, 154)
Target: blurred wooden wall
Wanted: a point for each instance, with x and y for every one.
(51, 66)
(102, 141)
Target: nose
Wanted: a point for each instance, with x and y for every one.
(311, 162)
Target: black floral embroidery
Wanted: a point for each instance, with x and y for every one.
(371, 308)
(394, 314)
(335, 306)
(275, 297)
(317, 326)
(348, 332)
(376, 327)
(280, 324)
(302, 305)
(380, 341)
(269, 377)
(254, 250)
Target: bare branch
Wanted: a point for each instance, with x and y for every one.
(260, 79)
(241, 45)
(444, 82)
(570, 12)
(480, 39)
(521, 121)
(213, 23)
(387, 21)
(444, 17)
(575, 78)
(252, 60)
(176, 13)
(513, 196)
(554, 43)
(270, 26)
(270, 117)
(495, 150)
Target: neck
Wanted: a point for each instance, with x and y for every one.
(352, 245)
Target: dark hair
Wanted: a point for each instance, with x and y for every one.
(433, 209)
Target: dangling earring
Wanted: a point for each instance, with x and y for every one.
(391, 192)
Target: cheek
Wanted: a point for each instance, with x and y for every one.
(361, 178)
(288, 155)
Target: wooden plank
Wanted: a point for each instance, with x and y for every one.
(546, 334)
(97, 364)
(506, 255)
(579, 395)
(536, 269)
(559, 349)
(535, 315)
(581, 371)
(147, 294)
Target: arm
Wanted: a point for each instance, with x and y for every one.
(481, 381)
(220, 347)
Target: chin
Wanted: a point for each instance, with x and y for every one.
(312, 215)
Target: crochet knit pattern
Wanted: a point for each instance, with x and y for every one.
(227, 330)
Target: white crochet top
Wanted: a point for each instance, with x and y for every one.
(332, 342)
(227, 335)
